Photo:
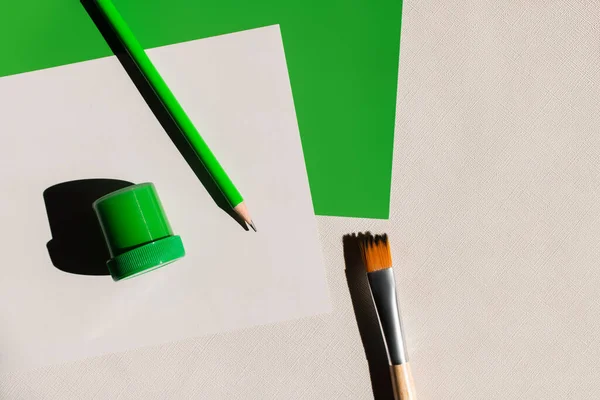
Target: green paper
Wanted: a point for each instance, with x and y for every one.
(342, 59)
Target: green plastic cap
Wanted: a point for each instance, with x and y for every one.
(137, 231)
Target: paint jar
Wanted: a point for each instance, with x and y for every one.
(137, 232)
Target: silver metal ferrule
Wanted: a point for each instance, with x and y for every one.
(383, 290)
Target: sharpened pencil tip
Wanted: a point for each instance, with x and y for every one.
(251, 223)
(242, 211)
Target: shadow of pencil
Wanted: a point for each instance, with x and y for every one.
(366, 319)
(162, 114)
(77, 245)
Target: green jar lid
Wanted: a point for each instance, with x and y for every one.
(137, 232)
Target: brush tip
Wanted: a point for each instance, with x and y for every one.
(375, 251)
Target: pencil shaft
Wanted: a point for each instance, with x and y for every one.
(170, 102)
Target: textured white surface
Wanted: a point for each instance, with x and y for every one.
(495, 217)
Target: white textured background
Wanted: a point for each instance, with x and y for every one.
(495, 224)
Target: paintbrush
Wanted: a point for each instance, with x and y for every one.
(377, 258)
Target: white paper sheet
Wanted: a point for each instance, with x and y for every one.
(87, 120)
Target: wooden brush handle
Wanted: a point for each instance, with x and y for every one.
(402, 379)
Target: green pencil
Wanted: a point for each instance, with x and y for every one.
(170, 102)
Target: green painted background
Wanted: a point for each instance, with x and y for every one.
(342, 57)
